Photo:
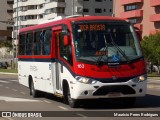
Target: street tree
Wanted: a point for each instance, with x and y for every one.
(151, 48)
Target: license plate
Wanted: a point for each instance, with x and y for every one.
(114, 94)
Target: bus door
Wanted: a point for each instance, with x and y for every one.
(57, 66)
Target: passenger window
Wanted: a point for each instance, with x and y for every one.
(46, 43)
(29, 44)
(22, 45)
(37, 43)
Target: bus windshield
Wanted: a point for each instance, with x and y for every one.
(105, 42)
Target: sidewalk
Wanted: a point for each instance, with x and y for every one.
(5, 73)
(153, 78)
(153, 83)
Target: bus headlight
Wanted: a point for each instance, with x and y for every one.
(140, 78)
(85, 80)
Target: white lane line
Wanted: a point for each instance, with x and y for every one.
(14, 80)
(153, 81)
(23, 93)
(81, 115)
(14, 90)
(10, 118)
(1, 81)
(7, 87)
(47, 101)
(1, 85)
(12, 99)
(63, 108)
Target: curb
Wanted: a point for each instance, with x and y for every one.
(8, 73)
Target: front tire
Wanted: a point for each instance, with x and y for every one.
(73, 103)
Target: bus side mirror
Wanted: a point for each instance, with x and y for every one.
(66, 40)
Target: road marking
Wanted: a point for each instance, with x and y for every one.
(23, 93)
(46, 101)
(11, 99)
(14, 80)
(7, 87)
(1, 85)
(14, 90)
(81, 115)
(10, 119)
(4, 81)
(153, 81)
(63, 108)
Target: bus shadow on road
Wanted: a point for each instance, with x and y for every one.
(149, 101)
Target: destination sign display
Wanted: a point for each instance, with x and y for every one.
(92, 27)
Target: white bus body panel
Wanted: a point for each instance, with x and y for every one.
(44, 77)
(40, 72)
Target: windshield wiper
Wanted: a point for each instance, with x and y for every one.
(122, 53)
(105, 49)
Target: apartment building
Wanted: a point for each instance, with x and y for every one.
(32, 12)
(144, 14)
(6, 13)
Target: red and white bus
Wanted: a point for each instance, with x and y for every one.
(85, 57)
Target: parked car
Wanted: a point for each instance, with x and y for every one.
(3, 65)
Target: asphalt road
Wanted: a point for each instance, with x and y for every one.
(15, 97)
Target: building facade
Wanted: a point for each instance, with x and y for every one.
(6, 13)
(32, 12)
(144, 14)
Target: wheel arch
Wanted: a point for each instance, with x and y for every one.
(65, 86)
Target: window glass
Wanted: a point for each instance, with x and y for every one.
(22, 44)
(46, 43)
(130, 7)
(105, 40)
(29, 43)
(37, 43)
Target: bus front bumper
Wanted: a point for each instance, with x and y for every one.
(108, 90)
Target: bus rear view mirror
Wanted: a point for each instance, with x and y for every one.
(66, 40)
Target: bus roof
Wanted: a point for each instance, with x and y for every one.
(70, 19)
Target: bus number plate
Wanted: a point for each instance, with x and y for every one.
(114, 94)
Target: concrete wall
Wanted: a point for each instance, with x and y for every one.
(4, 16)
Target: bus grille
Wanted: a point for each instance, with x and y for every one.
(116, 80)
(124, 89)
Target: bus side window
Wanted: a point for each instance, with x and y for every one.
(46, 43)
(22, 44)
(65, 51)
(37, 44)
(29, 44)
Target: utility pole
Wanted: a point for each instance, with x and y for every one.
(114, 3)
(73, 7)
(17, 32)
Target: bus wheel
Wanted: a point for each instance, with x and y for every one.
(129, 102)
(72, 102)
(33, 92)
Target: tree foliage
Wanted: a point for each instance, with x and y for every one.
(151, 48)
(6, 44)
